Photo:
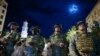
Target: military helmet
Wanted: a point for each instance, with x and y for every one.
(81, 23)
(13, 23)
(35, 28)
(57, 25)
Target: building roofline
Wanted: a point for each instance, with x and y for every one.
(92, 9)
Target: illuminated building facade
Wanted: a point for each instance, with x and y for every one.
(94, 15)
(3, 10)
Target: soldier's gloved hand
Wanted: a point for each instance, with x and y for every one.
(61, 45)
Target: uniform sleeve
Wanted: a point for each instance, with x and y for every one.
(41, 44)
(18, 36)
(72, 47)
(6, 35)
(42, 40)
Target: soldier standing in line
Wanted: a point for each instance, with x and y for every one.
(58, 41)
(11, 37)
(37, 39)
(83, 42)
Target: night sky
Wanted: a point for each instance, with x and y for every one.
(46, 13)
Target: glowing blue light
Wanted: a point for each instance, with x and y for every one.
(73, 8)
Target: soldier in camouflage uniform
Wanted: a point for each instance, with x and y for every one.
(82, 43)
(58, 41)
(11, 37)
(30, 49)
(37, 39)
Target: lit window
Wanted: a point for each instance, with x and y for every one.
(4, 6)
(0, 22)
(1, 17)
(3, 11)
(0, 2)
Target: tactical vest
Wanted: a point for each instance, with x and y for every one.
(56, 39)
(84, 43)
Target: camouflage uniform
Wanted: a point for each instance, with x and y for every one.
(37, 39)
(56, 49)
(38, 42)
(83, 43)
(10, 41)
(11, 37)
